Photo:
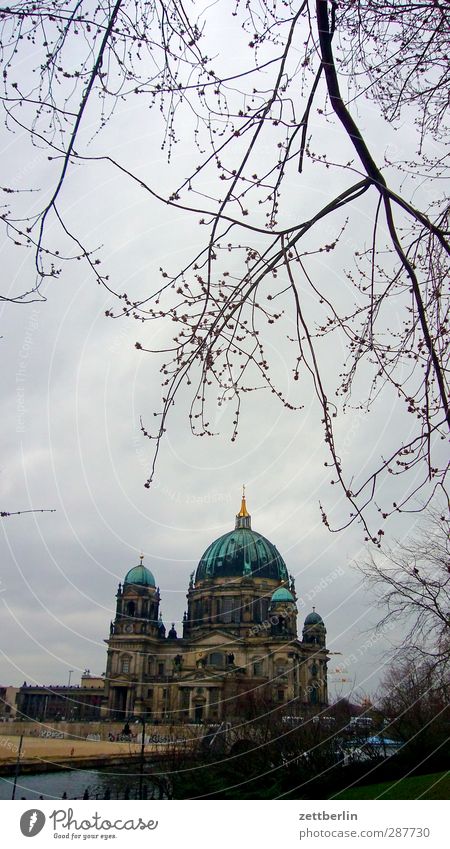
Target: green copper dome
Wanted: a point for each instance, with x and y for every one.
(282, 594)
(242, 552)
(313, 619)
(140, 575)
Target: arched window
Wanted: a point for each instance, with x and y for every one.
(231, 609)
(131, 608)
(125, 664)
(260, 609)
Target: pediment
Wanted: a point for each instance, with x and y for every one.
(216, 638)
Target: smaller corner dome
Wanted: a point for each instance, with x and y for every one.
(313, 619)
(282, 594)
(140, 575)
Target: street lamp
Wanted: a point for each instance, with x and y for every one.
(17, 770)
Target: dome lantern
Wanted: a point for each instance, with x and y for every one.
(243, 518)
(242, 553)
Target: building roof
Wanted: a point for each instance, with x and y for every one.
(140, 575)
(242, 552)
(313, 618)
(282, 594)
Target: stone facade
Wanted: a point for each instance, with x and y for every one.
(59, 702)
(239, 653)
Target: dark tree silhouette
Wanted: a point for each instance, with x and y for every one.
(263, 132)
(414, 699)
(411, 584)
(4, 514)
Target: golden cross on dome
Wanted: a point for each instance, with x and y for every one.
(243, 511)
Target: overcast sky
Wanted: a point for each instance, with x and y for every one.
(74, 387)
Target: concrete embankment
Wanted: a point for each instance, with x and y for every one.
(48, 754)
(60, 765)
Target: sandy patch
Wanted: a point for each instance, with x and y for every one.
(48, 749)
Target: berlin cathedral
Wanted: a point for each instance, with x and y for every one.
(239, 650)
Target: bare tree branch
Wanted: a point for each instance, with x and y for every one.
(255, 131)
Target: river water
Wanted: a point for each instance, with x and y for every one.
(98, 783)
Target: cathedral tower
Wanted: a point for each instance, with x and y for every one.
(239, 647)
